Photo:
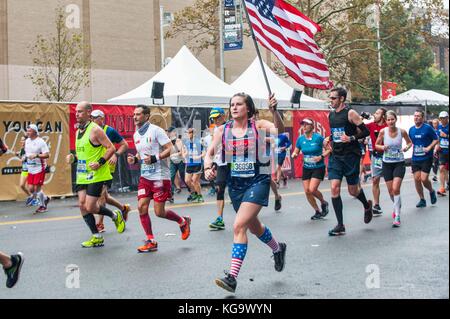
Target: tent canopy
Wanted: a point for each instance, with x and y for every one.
(252, 83)
(187, 83)
(424, 97)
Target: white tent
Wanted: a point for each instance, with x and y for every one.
(252, 82)
(187, 83)
(423, 97)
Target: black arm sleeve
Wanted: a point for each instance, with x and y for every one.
(364, 132)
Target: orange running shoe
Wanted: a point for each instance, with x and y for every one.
(100, 228)
(149, 246)
(441, 192)
(126, 211)
(186, 228)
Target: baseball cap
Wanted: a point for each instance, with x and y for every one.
(443, 114)
(216, 112)
(97, 113)
(34, 128)
(308, 121)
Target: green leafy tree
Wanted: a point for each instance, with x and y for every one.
(199, 23)
(61, 62)
(348, 38)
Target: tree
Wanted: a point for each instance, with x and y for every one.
(348, 38)
(408, 58)
(200, 24)
(61, 62)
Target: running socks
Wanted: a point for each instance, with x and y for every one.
(269, 240)
(171, 215)
(147, 225)
(338, 206)
(237, 258)
(362, 198)
(397, 204)
(90, 221)
(106, 212)
(42, 197)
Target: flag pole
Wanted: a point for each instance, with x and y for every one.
(257, 48)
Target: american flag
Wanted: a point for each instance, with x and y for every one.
(289, 34)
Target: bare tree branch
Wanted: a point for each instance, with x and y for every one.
(330, 13)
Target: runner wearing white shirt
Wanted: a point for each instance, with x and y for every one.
(153, 148)
(390, 142)
(36, 152)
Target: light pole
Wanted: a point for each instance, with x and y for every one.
(222, 58)
(378, 16)
(161, 14)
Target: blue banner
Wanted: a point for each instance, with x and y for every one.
(233, 27)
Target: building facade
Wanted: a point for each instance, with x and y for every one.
(124, 38)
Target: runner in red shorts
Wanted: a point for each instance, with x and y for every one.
(154, 182)
(36, 152)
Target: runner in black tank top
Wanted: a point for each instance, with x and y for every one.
(347, 127)
(249, 179)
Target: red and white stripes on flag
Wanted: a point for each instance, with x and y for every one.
(289, 34)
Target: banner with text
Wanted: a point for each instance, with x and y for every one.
(53, 124)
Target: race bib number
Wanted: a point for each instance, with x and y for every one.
(378, 162)
(337, 134)
(444, 143)
(393, 154)
(243, 169)
(147, 169)
(81, 167)
(419, 150)
(309, 162)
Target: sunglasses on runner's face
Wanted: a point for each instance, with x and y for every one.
(334, 97)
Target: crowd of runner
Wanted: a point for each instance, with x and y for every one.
(241, 153)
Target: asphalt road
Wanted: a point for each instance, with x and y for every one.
(372, 261)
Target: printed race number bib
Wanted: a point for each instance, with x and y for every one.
(378, 162)
(81, 167)
(243, 169)
(393, 154)
(308, 161)
(337, 134)
(147, 169)
(443, 143)
(419, 150)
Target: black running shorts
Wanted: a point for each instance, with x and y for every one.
(197, 169)
(393, 170)
(94, 189)
(317, 173)
(223, 173)
(422, 166)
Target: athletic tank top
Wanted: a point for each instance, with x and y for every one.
(176, 159)
(242, 154)
(339, 125)
(394, 153)
(87, 154)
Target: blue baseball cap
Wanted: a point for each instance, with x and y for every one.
(216, 112)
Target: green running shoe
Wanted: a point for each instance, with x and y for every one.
(93, 242)
(13, 272)
(218, 224)
(198, 199)
(120, 222)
